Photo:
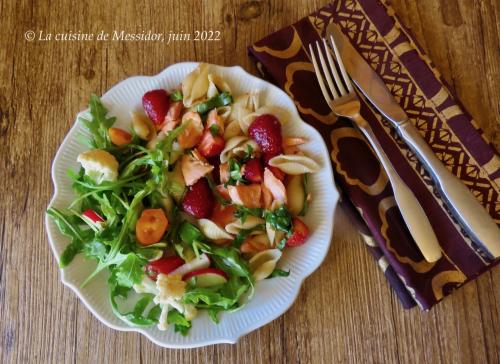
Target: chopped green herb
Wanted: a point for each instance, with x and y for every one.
(219, 100)
(176, 95)
(214, 129)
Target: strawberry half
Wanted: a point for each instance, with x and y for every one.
(300, 233)
(253, 170)
(198, 200)
(210, 145)
(266, 131)
(156, 104)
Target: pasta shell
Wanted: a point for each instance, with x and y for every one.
(224, 112)
(280, 113)
(271, 233)
(243, 105)
(215, 85)
(232, 130)
(142, 126)
(195, 85)
(212, 231)
(237, 145)
(250, 222)
(262, 264)
(295, 164)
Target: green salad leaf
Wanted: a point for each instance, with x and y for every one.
(181, 324)
(98, 124)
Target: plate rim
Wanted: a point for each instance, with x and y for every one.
(230, 339)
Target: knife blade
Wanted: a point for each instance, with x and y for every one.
(465, 207)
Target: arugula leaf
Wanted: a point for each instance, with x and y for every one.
(229, 260)
(189, 233)
(114, 255)
(279, 219)
(182, 325)
(219, 100)
(176, 95)
(213, 313)
(98, 124)
(278, 273)
(71, 230)
(130, 271)
(139, 315)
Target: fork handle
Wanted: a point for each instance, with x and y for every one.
(413, 214)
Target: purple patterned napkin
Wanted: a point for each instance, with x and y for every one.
(417, 85)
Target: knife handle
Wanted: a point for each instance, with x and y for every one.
(465, 207)
(413, 214)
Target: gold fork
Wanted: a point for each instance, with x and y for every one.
(343, 100)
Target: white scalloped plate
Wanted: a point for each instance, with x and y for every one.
(272, 297)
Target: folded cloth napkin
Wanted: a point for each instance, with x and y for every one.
(392, 51)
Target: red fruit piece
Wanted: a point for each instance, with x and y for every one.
(253, 170)
(198, 200)
(211, 146)
(156, 104)
(163, 265)
(300, 233)
(266, 131)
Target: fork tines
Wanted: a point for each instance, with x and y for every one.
(338, 88)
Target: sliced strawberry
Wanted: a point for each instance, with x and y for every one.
(266, 131)
(163, 265)
(253, 170)
(198, 200)
(156, 104)
(300, 233)
(210, 145)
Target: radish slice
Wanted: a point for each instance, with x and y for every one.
(203, 261)
(207, 277)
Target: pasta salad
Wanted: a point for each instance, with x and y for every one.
(192, 206)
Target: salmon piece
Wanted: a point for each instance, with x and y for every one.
(266, 196)
(173, 117)
(224, 172)
(246, 195)
(223, 215)
(255, 244)
(275, 186)
(223, 192)
(193, 131)
(194, 168)
(213, 118)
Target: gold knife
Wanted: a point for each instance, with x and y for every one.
(465, 207)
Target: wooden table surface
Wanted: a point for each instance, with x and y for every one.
(345, 311)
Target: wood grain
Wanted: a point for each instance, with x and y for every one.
(345, 312)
